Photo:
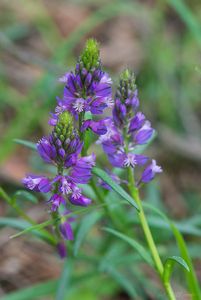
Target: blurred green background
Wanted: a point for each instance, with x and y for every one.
(159, 40)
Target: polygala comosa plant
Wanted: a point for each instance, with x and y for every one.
(93, 113)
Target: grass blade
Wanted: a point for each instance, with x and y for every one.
(133, 243)
(25, 143)
(84, 228)
(64, 280)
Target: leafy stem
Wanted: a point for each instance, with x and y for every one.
(148, 235)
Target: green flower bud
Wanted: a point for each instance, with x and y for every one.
(64, 128)
(127, 85)
(90, 57)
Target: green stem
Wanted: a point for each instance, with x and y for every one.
(148, 235)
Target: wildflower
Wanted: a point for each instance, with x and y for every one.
(127, 129)
(62, 148)
(88, 89)
(150, 171)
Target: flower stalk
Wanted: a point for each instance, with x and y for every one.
(148, 235)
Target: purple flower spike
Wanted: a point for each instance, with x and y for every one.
(150, 172)
(62, 250)
(66, 231)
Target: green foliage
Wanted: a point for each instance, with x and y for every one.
(117, 188)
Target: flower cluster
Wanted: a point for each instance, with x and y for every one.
(62, 148)
(87, 89)
(127, 129)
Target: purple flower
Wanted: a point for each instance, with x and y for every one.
(66, 231)
(136, 122)
(150, 171)
(37, 183)
(81, 170)
(97, 127)
(131, 160)
(143, 134)
(61, 248)
(55, 201)
(78, 199)
(46, 150)
(127, 129)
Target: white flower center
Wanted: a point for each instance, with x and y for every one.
(65, 187)
(78, 105)
(130, 161)
(76, 193)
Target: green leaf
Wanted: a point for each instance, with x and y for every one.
(24, 195)
(25, 143)
(133, 243)
(64, 280)
(117, 188)
(84, 228)
(32, 228)
(191, 275)
(169, 264)
(123, 281)
(21, 224)
(33, 292)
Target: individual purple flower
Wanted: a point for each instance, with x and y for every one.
(37, 183)
(150, 171)
(143, 135)
(97, 127)
(81, 170)
(56, 200)
(61, 248)
(66, 231)
(136, 122)
(46, 150)
(131, 160)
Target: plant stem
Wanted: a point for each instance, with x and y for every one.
(148, 235)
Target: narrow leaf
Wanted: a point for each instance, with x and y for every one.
(169, 264)
(31, 228)
(24, 195)
(25, 143)
(84, 228)
(25, 226)
(117, 188)
(191, 275)
(133, 243)
(33, 292)
(123, 281)
(64, 280)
